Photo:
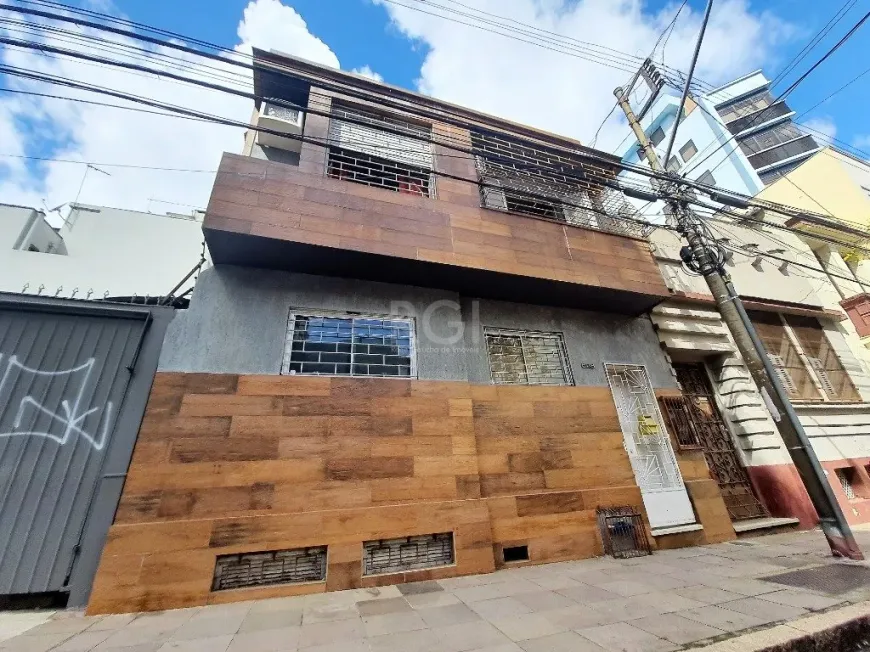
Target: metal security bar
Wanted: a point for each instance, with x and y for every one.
(527, 358)
(349, 345)
(680, 417)
(379, 172)
(519, 178)
(622, 532)
(269, 567)
(408, 553)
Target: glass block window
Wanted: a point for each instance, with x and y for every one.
(269, 567)
(527, 358)
(408, 553)
(349, 345)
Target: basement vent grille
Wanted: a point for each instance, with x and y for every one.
(269, 567)
(407, 553)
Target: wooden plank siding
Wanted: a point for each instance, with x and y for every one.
(227, 464)
(300, 204)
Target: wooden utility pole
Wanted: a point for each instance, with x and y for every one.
(700, 255)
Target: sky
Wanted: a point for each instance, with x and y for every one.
(402, 43)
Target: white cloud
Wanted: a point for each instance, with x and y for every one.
(366, 71)
(566, 94)
(81, 132)
(822, 129)
(861, 142)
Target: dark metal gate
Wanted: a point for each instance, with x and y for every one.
(696, 423)
(68, 372)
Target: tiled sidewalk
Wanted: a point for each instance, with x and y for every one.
(672, 600)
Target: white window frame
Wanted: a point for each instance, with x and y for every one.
(335, 314)
(563, 351)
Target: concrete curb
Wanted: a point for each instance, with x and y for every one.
(792, 631)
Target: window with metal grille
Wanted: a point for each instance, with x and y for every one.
(349, 345)
(269, 567)
(379, 172)
(848, 479)
(707, 179)
(520, 177)
(380, 150)
(527, 358)
(688, 150)
(822, 359)
(657, 136)
(408, 553)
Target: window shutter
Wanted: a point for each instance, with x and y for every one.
(825, 380)
(783, 374)
(373, 141)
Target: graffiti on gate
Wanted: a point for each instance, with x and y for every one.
(67, 416)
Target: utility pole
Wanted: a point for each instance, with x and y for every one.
(699, 253)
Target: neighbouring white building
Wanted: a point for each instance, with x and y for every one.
(97, 252)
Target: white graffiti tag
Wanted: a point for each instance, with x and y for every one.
(70, 415)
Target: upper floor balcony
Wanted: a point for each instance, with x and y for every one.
(429, 195)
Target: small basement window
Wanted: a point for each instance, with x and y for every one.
(267, 568)
(848, 479)
(386, 556)
(378, 172)
(349, 345)
(515, 553)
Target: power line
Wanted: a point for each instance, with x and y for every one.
(635, 76)
(325, 143)
(590, 155)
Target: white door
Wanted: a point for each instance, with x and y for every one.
(649, 447)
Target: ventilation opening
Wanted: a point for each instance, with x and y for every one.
(848, 479)
(31, 601)
(270, 567)
(515, 553)
(407, 553)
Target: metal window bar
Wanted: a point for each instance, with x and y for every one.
(680, 415)
(379, 172)
(527, 358)
(293, 566)
(622, 532)
(386, 556)
(537, 182)
(349, 345)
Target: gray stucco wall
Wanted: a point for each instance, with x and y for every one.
(237, 320)
(237, 323)
(590, 338)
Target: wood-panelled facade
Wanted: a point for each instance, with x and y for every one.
(298, 218)
(228, 464)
